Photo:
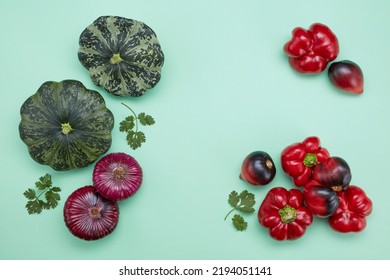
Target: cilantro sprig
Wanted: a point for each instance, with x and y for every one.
(130, 125)
(35, 203)
(242, 202)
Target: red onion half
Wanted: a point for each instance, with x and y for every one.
(117, 176)
(90, 216)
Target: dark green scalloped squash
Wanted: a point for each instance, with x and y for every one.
(122, 55)
(66, 125)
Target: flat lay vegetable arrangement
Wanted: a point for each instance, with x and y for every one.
(67, 126)
(322, 189)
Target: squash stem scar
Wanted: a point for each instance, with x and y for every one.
(115, 59)
(66, 128)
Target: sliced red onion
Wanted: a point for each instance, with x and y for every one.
(90, 216)
(117, 176)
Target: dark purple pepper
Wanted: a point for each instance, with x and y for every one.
(333, 172)
(258, 169)
(321, 201)
(347, 76)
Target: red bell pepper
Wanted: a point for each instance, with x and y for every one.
(310, 50)
(351, 214)
(299, 159)
(284, 213)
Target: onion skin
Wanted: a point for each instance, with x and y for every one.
(90, 216)
(117, 176)
(258, 169)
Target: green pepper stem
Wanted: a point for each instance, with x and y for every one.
(310, 160)
(287, 214)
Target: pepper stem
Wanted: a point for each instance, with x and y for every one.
(66, 128)
(337, 188)
(269, 164)
(287, 214)
(115, 59)
(310, 160)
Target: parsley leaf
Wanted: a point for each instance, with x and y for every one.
(127, 125)
(135, 138)
(242, 202)
(34, 207)
(247, 201)
(239, 222)
(29, 194)
(145, 119)
(35, 204)
(233, 198)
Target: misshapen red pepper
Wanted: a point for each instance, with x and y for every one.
(351, 214)
(299, 159)
(310, 50)
(284, 213)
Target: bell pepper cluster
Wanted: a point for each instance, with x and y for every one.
(309, 51)
(323, 190)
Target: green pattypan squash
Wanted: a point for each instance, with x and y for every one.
(122, 55)
(65, 125)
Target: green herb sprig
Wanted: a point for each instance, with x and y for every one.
(130, 125)
(35, 203)
(242, 202)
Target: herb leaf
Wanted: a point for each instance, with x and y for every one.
(33, 207)
(135, 138)
(239, 222)
(127, 124)
(244, 203)
(145, 119)
(29, 194)
(52, 199)
(247, 201)
(35, 204)
(233, 199)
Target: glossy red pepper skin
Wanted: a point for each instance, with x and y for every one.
(284, 213)
(351, 215)
(322, 201)
(310, 50)
(298, 160)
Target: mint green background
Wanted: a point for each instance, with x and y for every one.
(226, 90)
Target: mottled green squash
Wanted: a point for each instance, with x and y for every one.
(66, 125)
(122, 55)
